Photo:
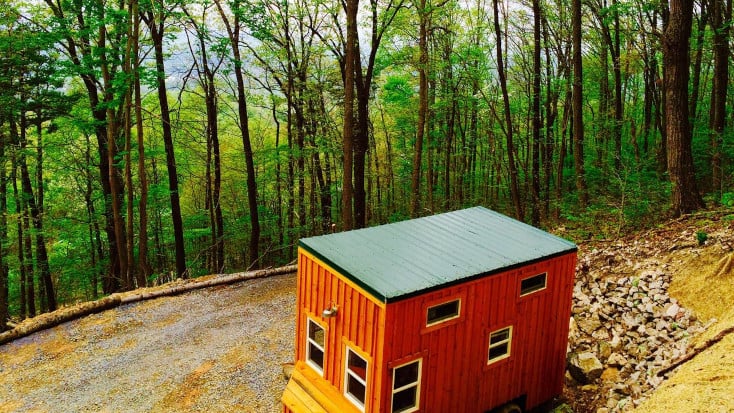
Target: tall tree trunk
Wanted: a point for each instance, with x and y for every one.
(21, 216)
(116, 185)
(44, 271)
(144, 270)
(350, 51)
(415, 194)
(721, 18)
(233, 31)
(618, 97)
(577, 95)
(676, 60)
(156, 27)
(127, 133)
(80, 53)
(698, 59)
(535, 170)
(4, 284)
(514, 185)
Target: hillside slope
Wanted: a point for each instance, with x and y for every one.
(671, 255)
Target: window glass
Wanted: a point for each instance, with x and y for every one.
(403, 401)
(355, 378)
(442, 312)
(315, 346)
(406, 374)
(499, 344)
(532, 284)
(406, 387)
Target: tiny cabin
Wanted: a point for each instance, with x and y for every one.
(465, 311)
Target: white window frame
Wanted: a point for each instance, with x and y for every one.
(349, 373)
(443, 320)
(492, 345)
(310, 341)
(416, 384)
(534, 290)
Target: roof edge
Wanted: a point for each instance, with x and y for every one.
(361, 284)
(478, 276)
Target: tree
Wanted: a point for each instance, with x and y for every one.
(91, 35)
(155, 15)
(350, 56)
(676, 60)
(233, 31)
(535, 171)
(721, 16)
(508, 127)
(577, 95)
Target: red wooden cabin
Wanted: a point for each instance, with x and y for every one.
(458, 312)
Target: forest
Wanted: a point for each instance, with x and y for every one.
(147, 140)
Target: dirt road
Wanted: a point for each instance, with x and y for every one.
(214, 350)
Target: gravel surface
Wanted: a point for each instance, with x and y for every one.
(213, 350)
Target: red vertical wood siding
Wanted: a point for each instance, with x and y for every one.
(358, 322)
(456, 377)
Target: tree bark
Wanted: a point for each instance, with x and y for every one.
(717, 123)
(535, 170)
(350, 48)
(41, 252)
(577, 96)
(144, 269)
(233, 31)
(422, 110)
(514, 185)
(676, 60)
(156, 26)
(4, 284)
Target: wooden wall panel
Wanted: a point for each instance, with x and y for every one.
(456, 376)
(359, 321)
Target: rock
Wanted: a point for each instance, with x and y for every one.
(612, 403)
(562, 408)
(671, 310)
(610, 375)
(584, 367)
(617, 360)
(589, 324)
(605, 350)
(288, 370)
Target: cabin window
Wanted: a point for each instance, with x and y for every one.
(499, 344)
(532, 284)
(315, 346)
(406, 387)
(355, 379)
(443, 312)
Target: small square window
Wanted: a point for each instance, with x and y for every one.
(355, 379)
(499, 344)
(443, 312)
(406, 387)
(315, 346)
(532, 284)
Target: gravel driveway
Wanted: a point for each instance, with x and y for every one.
(213, 350)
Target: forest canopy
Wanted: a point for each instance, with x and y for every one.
(145, 140)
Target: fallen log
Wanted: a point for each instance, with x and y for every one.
(696, 351)
(198, 283)
(48, 320)
(60, 316)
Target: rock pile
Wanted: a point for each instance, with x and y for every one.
(624, 330)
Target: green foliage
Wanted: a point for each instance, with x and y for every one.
(701, 237)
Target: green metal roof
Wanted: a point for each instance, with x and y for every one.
(403, 259)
